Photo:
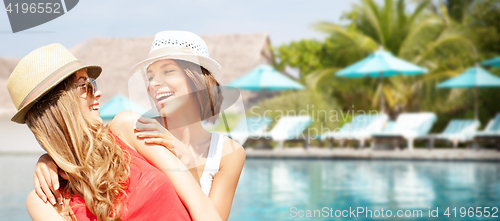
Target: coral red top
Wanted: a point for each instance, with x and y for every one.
(150, 195)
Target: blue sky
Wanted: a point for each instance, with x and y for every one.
(284, 20)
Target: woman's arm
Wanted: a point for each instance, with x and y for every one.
(150, 131)
(226, 180)
(42, 211)
(198, 204)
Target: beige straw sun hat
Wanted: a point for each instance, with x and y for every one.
(180, 45)
(39, 72)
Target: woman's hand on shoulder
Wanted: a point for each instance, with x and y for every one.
(123, 123)
(46, 180)
(136, 130)
(153, 133)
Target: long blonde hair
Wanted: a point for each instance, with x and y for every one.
(81, 146)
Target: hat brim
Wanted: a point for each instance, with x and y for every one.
(92, 70)
(208, 63)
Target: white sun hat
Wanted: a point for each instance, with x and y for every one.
(179, 45)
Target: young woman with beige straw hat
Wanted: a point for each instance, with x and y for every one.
(181, 80)
(57, 97)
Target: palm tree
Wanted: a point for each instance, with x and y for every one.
(424, 36)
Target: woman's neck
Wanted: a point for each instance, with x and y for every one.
(191, 135)
(187, 128)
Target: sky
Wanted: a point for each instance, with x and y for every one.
(283, 20)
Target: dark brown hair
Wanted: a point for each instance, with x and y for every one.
(207, 89)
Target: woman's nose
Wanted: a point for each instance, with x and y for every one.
(156, 82)
(98, 94)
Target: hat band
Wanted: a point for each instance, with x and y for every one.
(49, 81)
(171, 50)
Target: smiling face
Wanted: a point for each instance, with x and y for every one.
(169, 87)
(89, 105)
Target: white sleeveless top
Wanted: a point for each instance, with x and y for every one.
(213, 162)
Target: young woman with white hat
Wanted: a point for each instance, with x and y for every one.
(57, 97)
(181, 80)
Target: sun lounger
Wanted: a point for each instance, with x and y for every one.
(289, 129)
(457, 131)
(389, 126)
(337, 135)
(360, 129)
(491, 134)
(250, 128)
(409, 127)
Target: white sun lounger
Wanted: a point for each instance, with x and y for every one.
(289, 128)
(409, 127)
(491, 134)
(458, 131)
(250, 128)
(360, 128)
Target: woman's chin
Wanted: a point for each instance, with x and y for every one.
(167, 111)
(97, 116)
(165, 114)
(172, 106)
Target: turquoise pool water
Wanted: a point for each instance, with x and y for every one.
(268, 189)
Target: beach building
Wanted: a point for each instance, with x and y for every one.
(237, 53)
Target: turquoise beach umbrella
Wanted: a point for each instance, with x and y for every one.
(118, 104)
(472, 78)
(380, 64)
(265, 78)
(495, 62)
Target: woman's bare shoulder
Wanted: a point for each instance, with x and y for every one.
(233, 151)
(124, 118)
(123, 125)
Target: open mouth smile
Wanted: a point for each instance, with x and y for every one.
(163, 96)
(94, 107)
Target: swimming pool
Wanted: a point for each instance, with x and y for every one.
(269, 189)
(278, 189)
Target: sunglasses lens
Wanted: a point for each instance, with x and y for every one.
(91, 87)
(94, 85)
